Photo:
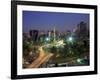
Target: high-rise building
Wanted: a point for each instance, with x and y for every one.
(49, 33)
(82, 30)
(34, 34)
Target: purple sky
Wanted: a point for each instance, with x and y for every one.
(49, 20)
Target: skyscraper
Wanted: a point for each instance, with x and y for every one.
(34, 35)
(82, 31)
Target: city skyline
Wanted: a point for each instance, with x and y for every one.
(46, 46)
(48, 20)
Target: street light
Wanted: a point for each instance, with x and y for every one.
(47, 39)
(70, 39)
(79, 60)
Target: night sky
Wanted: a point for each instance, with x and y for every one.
(48, 20)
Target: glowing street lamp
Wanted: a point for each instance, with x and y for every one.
(79, 60)
(47, 39)
(70, 39)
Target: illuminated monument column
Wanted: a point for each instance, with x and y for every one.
(54, 34)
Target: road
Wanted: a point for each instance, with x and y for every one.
(43, 57)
